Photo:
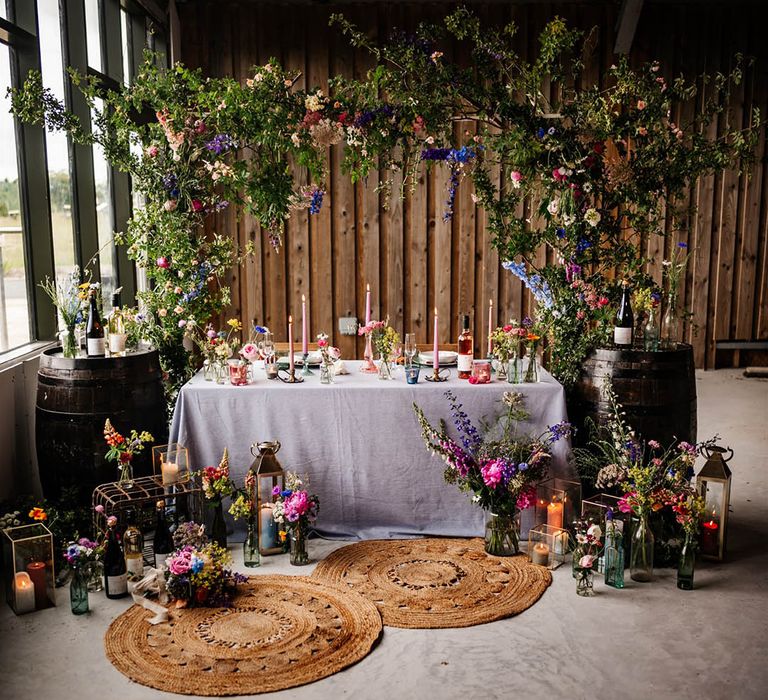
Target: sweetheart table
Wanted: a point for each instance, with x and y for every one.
(359, 442)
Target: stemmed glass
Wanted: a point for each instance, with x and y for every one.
(409, 347)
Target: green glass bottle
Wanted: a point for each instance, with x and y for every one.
(614, 551)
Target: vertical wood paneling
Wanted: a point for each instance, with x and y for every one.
(410, 256)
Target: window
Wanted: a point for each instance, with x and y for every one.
(14, 300)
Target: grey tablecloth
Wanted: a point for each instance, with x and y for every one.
(359, 442)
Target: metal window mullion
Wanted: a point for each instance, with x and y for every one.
(33, 185)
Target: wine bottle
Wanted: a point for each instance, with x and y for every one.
(625, 319)
(115, 574)
(116, 327)
(94, 333)
(162, 543)
(133, 544)
(466, 350)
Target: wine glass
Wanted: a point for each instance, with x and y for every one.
(267, 348)
(410, 347)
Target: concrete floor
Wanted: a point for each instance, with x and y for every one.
(649, 640)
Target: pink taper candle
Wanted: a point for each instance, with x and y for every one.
(367, 304)
(304, 326)
(436, 352)
(490, 325)
(290, 342)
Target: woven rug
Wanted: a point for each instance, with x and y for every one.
(430, 583)
(282, 631)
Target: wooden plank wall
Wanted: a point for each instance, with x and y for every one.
(413, 260)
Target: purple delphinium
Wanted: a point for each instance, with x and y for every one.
(221, 143)
(470, 438)
(560, 430)
(316, 201)
(170, 181)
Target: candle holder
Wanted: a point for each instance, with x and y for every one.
(305, 371)
(291, 376)
(368, 366)
(28, 567)
(548, 546)
(438, 376)
(170, 464)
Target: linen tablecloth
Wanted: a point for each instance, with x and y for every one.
(359, 442)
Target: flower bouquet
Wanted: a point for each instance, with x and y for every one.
(330, 355)
(501, 469)
(122, 451)
(585, 553)
(217, 347)
(217, 485)
(507, 349)
(386, 340)
(295, 510)
(200, 576)
(67, 296)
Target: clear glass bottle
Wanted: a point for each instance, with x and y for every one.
(251, 556)
(669, 325)
(133, 545)
(687, 564)
(614, 551)
(641, 556)
(651, 332)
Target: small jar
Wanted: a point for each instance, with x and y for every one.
(481, 371)
(238, 372)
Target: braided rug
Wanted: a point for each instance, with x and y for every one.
(283, 631)
(430, 583)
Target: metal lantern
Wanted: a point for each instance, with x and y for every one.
(28, 568)
(269, 474)
(713, 483)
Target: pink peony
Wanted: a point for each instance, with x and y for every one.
(491, 471)
(250, 352)
(296, 505)
(526, 498)
(163, 262)
(99, 508)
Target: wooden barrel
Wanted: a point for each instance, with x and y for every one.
(656, 389)
(75, 397)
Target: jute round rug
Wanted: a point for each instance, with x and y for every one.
(282, 631)
(430, 583)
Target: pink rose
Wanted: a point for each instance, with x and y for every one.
(250, 352)
(163, 262)
(111, 521)
(586, 561)
(99, 508)
(180, 564)
(507, 329)
(515, 176)
(322, 343)
(197, 205)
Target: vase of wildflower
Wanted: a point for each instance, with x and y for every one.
(329, 356)
(299, 555)
(532, 371)
(385, 367)
(641, 557)
(501, 535)
(94, 572)
(217, 485)
(78, 590)
(122, 450)
(294, 510)
(585, 581)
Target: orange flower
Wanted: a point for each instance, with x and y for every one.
(283, 535)
(38, 514)
(532, 336)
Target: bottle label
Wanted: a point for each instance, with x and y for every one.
(160, 561)
(135, 566)
(117, 585)
(95, 346)
(117, 342)
(622, 336)
(464, 363)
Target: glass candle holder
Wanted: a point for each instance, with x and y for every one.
(238, 372)
(412, 374)
(271, 369)
(481, 371)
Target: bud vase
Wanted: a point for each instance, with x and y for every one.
(501, 538)
(69, 342)
(251, 556)
(126, 472)
(368, 366)
(94, 573)
(651, 332)
(532, 371)
(218, 526)
(78, 591)
(502, 368)
(299, 556)
(326, 374)
(669, 325)
(515, 370)
(641, 557)
(385, 368)
(687, 564)
(585, 581)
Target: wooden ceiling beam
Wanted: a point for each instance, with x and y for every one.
(626, 25)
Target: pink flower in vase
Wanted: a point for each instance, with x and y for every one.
(334, 353)
(586, 561)
(250, 352)
(296, 505)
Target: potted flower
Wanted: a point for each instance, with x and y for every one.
(295, 510)
(122, 450)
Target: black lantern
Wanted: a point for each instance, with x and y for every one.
(713, 483)
(269, 477)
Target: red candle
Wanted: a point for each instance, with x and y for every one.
(36, 571)
(710, 544)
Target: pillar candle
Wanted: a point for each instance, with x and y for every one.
(304, 326)
(268, 528)
(540, 554)
(436, 352)
(555, 515)
(367, 304)
(290, 343)
(170, 472)
(36, 571)
(25, 593)
(710, 544)
(490, 325)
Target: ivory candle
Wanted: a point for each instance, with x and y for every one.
(25, 593)
(561, 543)
(555, 515)
(170, 472)
(490, 326)
(304, 326)
(367, 304)
(435, 351)
(290, 344)
(540, 554)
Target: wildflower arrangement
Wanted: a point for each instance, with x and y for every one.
(253, 348)
(588, 544)
(217, 346)
(83, 551)
(67, 296)
(295, 508)
(501, 468)
(201, 576)
(216, 481)
(673, 269)
(384, 337)
(121, 449)
(329, 353)
(506, 341)
(243, 506)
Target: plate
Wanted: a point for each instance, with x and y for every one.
(313, 359)
(446, 358)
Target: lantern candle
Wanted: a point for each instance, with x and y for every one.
(435, 351)
(709, 537)
(561, 543)
(490, 326)
(555, 514)
(268, 527)
(36, 571)
(170, 472)
(290, 345)
(367, 304)
(25, 593)
(540, 554)
(304, 327)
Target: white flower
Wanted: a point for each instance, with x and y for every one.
(592, 217)
(553, 206)
(568, 220)
(595, 531)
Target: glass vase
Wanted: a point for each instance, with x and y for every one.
(238, 372)
(69, 347)
(501, 368)
(669, 325)
(94, 573)
(515, 370)
(126, 473)
(326, 373)
(585, 581)
(687, 564)
(299, 556)
(385, 368)
(532, 371)
(641, 557)
(501, 538)
(78, 591)
(251, 556)
(614, 557)
(651, 332)
(218, 526)
(221, 371)
(209, 371)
